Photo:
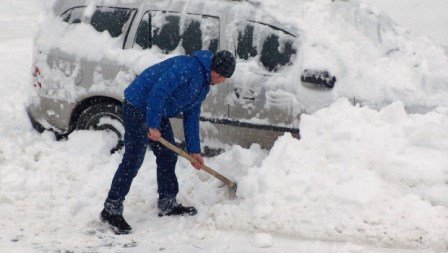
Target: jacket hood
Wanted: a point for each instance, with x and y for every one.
(205, 58)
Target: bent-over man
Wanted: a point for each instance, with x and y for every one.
(167, 89)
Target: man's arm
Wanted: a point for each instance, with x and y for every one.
(191, 129)
(191, 132)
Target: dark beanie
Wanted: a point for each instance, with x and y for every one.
(223, 63)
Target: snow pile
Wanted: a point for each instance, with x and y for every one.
(263, 240)
(357, 174)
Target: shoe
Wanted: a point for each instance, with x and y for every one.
(116, 222)
(180, 210)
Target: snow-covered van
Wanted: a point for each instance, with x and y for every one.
(86, 52)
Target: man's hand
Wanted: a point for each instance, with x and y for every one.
(154, 134)
(200, 162)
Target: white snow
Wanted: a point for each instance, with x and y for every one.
(263, 240)
(359, 179)
(365, 174)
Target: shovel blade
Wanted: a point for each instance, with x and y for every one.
(232, 191)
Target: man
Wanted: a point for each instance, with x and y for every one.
(176, 85)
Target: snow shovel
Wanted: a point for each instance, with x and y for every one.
(232, 185)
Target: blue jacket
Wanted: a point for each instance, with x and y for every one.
(176, 85)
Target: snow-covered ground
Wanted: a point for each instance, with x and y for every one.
(359, 180)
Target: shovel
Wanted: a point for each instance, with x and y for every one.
(232, 185)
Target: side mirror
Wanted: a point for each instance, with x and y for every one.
(318, 79)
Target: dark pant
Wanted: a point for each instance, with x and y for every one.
(135, 143)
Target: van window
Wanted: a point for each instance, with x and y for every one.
(73, 15)
(110, 19)
(245, 48)
(166, 33)
(214, 45)
(276, 53)
(143, 37)
(192, 37)
(210, 30)
(274, 46)
(171, 30)
(201, 32)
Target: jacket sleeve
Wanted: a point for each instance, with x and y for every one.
(163, 88)
(191, 129)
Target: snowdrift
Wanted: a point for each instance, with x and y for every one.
(357, 174)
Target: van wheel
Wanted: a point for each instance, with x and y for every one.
(103, 117)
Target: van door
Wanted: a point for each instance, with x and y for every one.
(182, 33)
(262, 107)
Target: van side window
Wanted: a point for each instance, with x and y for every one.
(277, 46)
(210, 30)
(192, 37)
(73, 15)
(273, 55)
(143, 37)
(110, 19)
(201, 32)
(170, 30)
(214, 45)
(245, 49)
(167, 37)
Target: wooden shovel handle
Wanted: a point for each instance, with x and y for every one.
(207, 169)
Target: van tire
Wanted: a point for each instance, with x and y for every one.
(110, 113)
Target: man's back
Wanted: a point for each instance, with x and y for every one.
(177, 82)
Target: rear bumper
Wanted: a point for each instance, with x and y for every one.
(36, 125)
(40, 127)
(50, 114)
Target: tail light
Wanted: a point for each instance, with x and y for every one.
(36, 71)
(36, 74)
